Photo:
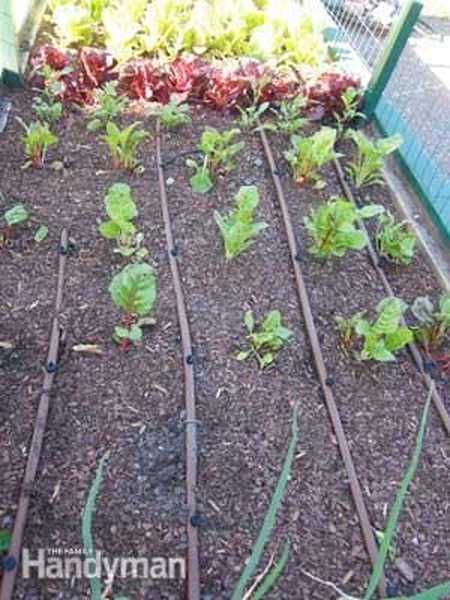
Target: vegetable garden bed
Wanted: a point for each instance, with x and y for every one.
(130, 403)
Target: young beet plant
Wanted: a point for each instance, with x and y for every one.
(238, 228)
(36, 140)
(433, 322)
(333, 229)
(133, 290)
(395, 241)
(308, 154)
(108, 106)
(123, 144)
(267, 341)
(218, 150)
(121, 210)
(367, 167)
(382, 338)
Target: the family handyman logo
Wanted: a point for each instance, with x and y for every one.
(55, 563)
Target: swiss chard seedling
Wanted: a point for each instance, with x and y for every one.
(350, 100)
(395, 241)
(36, 140)
(220, 148)
(289, 119)
(383, 337)
(308, 154)
(173, 114)
(133, 290)
(267, 340)
(433, 323)
(249, 120)
(108, 106)
(121, 210)
(333, 227)
(218, 151)
(366, 168)
(238, 228)
(123, 144)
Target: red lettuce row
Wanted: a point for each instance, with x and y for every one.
(188, 79)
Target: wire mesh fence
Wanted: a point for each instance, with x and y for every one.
(416, 101)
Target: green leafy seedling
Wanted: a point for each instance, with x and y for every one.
(173, 114)
(289, 119)
(349, 111)
(121, 210)
(133, 290)
(123, 144)
(108, 106)
(36, 140)
(309, 154)
(238, 228)
(366, 168)
(386, 335)
(201, 181)
(267, 341)
(249, 117)
(395, 241)
(219, 148)
(47, 111)
(433, 323)
(333, 227)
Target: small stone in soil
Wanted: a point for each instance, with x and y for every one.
(404, 569)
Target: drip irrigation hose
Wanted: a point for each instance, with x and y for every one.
(414, 350)
(188, 362)
(11, 562)
(325, 380)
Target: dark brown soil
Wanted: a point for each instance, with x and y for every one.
(132, 404)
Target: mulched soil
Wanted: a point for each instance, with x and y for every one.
(132, 404)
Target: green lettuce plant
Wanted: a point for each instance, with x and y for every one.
(309, 154)
(333, 227)
(395, 241)
(121, 210)
(36, 140)
(108, 106)
(366, 168)
(133, 290)
(267, 341)
(238, 228)
(433, 322)
(123, 144)
(386, 335)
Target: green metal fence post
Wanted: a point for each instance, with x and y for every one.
(389, 58)
(9, 55)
